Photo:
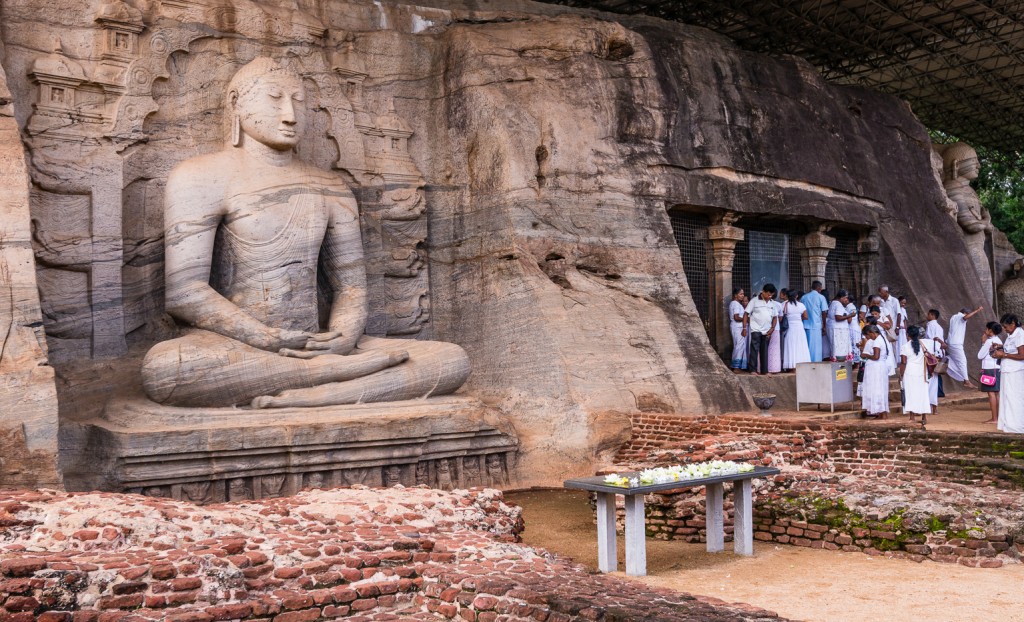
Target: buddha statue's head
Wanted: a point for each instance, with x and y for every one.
(960, 160)
(265, 103)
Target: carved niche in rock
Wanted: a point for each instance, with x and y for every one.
(99, 98)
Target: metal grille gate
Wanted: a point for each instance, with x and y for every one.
(691, 233)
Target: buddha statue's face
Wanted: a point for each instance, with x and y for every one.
(272, 110)
(968, 168)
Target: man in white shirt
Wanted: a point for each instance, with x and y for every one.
(760, 320)
(955, 347)
(890, 306)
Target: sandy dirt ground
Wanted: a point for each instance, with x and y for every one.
(797, 583)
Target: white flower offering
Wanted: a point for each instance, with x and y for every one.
(680, 473)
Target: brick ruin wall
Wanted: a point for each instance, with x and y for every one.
(852, 486)
(356, 554)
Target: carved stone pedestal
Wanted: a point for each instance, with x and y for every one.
(209, 455)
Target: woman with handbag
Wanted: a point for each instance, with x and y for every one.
(1011, 389)
(990, 367)
(914, 376)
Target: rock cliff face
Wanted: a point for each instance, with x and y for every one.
(28, 399)
(548, 143)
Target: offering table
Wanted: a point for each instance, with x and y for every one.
(635, 529)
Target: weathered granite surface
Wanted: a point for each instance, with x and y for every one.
(28, 398)
(513, 164)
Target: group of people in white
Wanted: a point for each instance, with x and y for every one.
(775, 335)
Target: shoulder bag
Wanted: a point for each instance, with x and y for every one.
(784, 321)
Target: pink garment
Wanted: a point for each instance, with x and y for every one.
(775, 353)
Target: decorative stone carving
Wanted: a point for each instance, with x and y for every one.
(445, 477)
(392, 475)
(245, 231)
(960, 168)
(60, 105)
(814, 248)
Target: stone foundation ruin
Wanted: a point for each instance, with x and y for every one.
(880, 489)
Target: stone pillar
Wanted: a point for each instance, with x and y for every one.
(868, 246)
(723, 238)
(814, 248)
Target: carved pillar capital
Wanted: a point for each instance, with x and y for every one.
(723, 239)
(814, 248)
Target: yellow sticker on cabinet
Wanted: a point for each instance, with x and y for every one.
(841, 373)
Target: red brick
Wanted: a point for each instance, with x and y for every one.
(296, 601)
(182, 598)
(287, 572)
(336, 611)
(370, 590)
(189, 616)
(21, 603)
(484, 603)
(230, 612)
(186, 583)
(128, 587)
(86, 534)
(54, 616)
(22, 566)
(163, 572)
(308, 615)
(127, 601)
(364, 604)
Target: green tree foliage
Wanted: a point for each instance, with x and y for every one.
(1000, 186)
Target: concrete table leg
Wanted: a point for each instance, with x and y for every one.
(743, 519)
(636, 532)
(715, 517)
(607, 552)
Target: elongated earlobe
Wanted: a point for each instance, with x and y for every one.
(236, 131)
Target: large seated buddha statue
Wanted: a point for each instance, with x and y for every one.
(247, 231)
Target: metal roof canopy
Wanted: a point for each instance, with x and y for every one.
(960, 63)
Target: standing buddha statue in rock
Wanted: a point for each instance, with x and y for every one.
(960, 167)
